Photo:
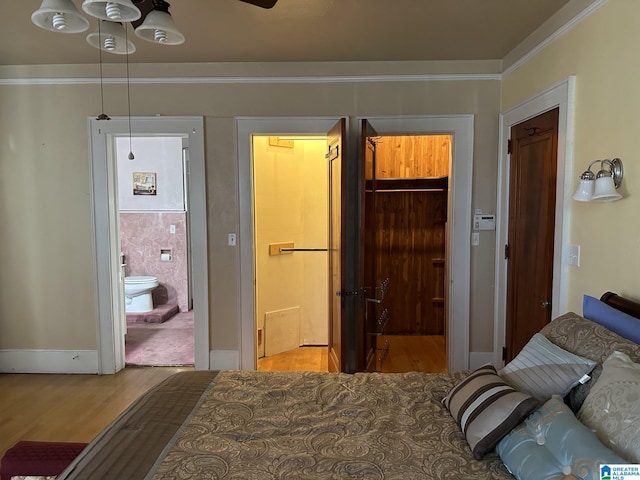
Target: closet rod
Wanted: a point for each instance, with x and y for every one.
(391, 190)
(304, 249)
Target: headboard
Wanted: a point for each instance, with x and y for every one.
(625, 305)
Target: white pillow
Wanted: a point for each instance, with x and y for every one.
(612, 408)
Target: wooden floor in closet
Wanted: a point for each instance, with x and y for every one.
(407, 353)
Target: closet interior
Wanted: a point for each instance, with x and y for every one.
(406, 196)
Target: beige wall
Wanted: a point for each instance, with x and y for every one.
(47, 298)
(290, 205)
(602, 52)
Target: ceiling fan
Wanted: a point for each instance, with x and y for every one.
(145, 6)
(150, 19)
(261, 3)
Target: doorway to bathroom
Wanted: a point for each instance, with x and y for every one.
(110, 272)
(155, 261)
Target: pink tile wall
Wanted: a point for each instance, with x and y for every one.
(142, 237)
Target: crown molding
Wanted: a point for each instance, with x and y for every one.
(254, 80)
(530, 47)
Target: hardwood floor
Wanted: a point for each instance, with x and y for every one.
(310, 359)
(69, 408)
(414, 353)
(75, 408)
(407, 353)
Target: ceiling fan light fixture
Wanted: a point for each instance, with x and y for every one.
(112, 10)
(159, 27)
(59, 16)
(111, 37)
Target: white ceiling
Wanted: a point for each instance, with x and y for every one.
(300, 30)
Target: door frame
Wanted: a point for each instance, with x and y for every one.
(106, 242)
(562, 96)
(246, 127)
(461, 126)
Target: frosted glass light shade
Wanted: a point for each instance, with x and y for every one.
(111, 38)
(113, 10)
(605, 190)
(59, 16)
(159, 27)
(585, 191)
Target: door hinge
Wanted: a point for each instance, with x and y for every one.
(509, 146)
(506, 252)
(504, 353)
(332, 152)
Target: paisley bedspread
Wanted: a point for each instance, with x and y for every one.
(299, 425)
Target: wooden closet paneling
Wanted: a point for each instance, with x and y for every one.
(424, 156)
(410, 244)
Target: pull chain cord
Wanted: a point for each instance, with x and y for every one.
(102, 116)
(126, 39)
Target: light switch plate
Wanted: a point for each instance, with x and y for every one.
(573, 255)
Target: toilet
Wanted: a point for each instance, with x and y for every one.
(137, 292)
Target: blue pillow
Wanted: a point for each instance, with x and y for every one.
(552, 443)
(619, 322)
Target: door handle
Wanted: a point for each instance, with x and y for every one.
(544, 303)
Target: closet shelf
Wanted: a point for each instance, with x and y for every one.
(388, 185)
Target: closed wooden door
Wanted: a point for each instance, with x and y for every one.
(530, 252)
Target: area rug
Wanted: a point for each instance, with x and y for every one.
(161, 344)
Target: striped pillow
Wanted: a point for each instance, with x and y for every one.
(543, 369)
(487, 408)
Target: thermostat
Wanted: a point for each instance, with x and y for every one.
(484, 222)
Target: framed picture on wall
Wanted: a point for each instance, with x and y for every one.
(144, 183)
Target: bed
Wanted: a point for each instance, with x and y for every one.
(294, 425)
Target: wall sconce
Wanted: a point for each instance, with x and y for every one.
(602, 186)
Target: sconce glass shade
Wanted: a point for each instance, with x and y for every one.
(601, 187)
(113, 10)
(111, 38)
(159, 27)
(605, 189)
(59, 16)
(585, 190)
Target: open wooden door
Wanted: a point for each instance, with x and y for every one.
(351, 249)
(336, 140)
(373, 315)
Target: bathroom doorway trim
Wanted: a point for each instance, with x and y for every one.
(461, 126)
(111, 354)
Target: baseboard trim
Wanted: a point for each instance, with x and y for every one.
(478, 359)
(224, 360)
(49, 361)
